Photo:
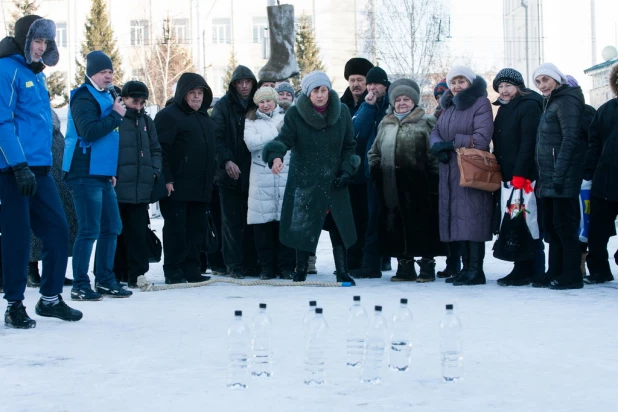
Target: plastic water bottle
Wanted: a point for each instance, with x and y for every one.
(451, 346)
(310, 314)
(260, 344)
(239, 339)
(357, 329)
(315, 350)
(401, 338)
(375, 342)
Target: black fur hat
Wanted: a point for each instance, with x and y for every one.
(357, 65)
(33, 27)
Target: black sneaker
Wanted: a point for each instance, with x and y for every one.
(58, 310)
(236, 274)
(173, 281)
(267, 274)
(287, 274)
(16, 317)
(597, 278)
(198, 279)
(113, 290)
(85, 294)
(221, 270)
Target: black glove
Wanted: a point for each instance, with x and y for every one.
(342, 180)
(443, 157)
(558, 187)
(441, 147)
(588, 174)
(26, 182)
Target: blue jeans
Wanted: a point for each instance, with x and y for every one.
(98, 220)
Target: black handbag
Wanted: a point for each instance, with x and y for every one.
(155, 248)
(514, 241)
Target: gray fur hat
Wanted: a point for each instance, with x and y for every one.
(405, 87)
(38, 28)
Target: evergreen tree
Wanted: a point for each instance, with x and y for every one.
(56, 86)
(307, 51)
(21, 8)
(232, 63)
(99, 36)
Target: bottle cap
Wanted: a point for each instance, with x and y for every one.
(356, 298)
(262, 305)
(404, 301)
(238, 313)
(449, 307)
(312, 303)
(378, 308)
(318, 310)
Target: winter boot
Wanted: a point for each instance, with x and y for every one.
(570, 280)
(520, 275)
(406, 272)
(474, 275)
(58, 310)
(282, 63)
(428, 270)
(174, 276)
(266, 274)
(302, 260)
(311, 269)
(597, 278)
(341, 265)
(464, 251)
(34, 277)
(365, 272)
(16, 317)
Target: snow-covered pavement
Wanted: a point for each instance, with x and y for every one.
(525, 349)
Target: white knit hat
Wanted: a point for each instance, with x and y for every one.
(464, 71)
(550, 69)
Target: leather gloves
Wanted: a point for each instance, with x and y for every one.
(26, 181)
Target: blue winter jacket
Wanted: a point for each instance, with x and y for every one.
(366, 122)
(25, 112)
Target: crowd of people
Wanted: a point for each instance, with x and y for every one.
(271, 167)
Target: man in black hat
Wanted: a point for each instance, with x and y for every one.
(28, 192)
(355, 72)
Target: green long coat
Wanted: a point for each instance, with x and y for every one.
(321, 147)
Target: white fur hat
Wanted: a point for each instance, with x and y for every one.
(464, 71)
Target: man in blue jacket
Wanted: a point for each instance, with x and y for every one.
(28, 193)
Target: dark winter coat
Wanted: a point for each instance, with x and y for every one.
(406, 177)
(465, 213)
(348, 100)
(514, 138)
(560, 145)
(188, 143)
(602, 156)
(361, 145)
(139, 158)
(321, 147)
(229, 116)
(366, 122)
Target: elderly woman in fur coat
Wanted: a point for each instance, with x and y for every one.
(266, 190)
(465, 213)
(406, 177)
(318, 131)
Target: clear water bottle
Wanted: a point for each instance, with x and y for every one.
(357, 329)
(310, 314)
(239, 340)
(451, 346)
(401, 338)
(375, 343)
(315, 349)
(260, 344)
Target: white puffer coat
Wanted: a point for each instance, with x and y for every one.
(265, 189)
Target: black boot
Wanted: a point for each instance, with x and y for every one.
(341, 265)
(428, 270)
(34, 277)
(302, 259)
(519, 276)
(464, 250)
(174, 276)
(474, 275)
(406, 272)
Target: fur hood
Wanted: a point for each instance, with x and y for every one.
(613, 79)
(466, 98)
(313, 118)
(254, 113)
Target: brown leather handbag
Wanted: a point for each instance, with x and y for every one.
(478, 169)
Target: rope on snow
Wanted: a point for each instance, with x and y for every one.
(146, 286)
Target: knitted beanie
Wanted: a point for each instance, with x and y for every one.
(313, 80)
(357, 65)
(404, 87)
(377, 76)
(460, 71)
(550, 69)
(440, 88)
(510, 76)
(97, 61)
(285, 87)
(265, 93)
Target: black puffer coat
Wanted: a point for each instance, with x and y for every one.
(187, 141)
(229, 116)
(602, 156)
(560, 145)
(139, 158)
(514, 138)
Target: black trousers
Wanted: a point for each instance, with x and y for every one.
(561, 219)
(183, 235)
(132, 246)
(215, 260)
(358, 199)
(602, 217)
(273, 255)
(237, 237)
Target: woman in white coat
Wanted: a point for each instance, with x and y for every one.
(266, 189)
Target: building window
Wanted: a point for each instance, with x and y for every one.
(61, 34)
(180, 30)
(139, 32)
(221, 31)
(260, 25)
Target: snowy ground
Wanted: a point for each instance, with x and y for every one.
(525, 350)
